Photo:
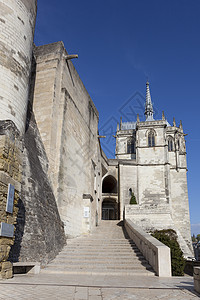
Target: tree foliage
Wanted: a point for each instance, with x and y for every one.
(133, 199)
(193, 238)
(198, 237)
(169, 238)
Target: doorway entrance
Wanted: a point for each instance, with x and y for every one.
(108, 214)
(109, 210)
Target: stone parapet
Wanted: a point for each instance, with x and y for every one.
(147, 209)
(197, 279)
(150, 216)
(156, 253)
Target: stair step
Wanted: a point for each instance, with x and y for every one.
(100, 259)
(102, 242)
(99, 267)
(100, 262)
(82, 245)
(73, 266)
(105, 252)
(99, 272)
(101, 254)
(101, 246)
(100, 249)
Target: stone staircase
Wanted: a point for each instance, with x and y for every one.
(107, 251)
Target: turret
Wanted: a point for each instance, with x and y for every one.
(17, 24)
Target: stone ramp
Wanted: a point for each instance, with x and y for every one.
(107, 251)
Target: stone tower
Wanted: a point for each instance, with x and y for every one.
(16, 44)
(151, 158)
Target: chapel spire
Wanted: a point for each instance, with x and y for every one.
(148, 106)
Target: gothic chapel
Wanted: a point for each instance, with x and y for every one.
(151, 164)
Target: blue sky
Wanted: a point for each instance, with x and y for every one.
(122, 43)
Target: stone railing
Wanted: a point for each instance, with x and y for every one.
(155, 252)
(197, 279)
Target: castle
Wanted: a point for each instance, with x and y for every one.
(51, 153)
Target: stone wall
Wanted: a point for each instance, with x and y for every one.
(128, 179)
(10, 172)
(151, 163)
(39, 232)
(80, 164)
(150, 217)
(67, 120)
(180, 205)
(122, 138)
(16, 42)
(151, 184)
(159, 178)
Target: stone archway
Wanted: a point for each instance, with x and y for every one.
(109, 185)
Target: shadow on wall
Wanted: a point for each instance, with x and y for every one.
(39, 232)
(19, 232)
(121, 224)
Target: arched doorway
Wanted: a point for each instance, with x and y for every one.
(109, 209)
(109, 185)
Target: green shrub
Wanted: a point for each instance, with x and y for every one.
(169, 238)
(133, 199)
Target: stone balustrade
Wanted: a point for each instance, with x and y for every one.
(155, 252)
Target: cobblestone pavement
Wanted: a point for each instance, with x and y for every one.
(32, 287)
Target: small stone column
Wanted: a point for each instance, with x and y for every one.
(10, 179)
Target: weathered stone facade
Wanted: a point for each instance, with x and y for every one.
(10, 172)
(154, 168)
(39, 232)
(68, 124)
(16, 42)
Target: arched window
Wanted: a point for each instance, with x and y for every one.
(151, 139)
(130, 146)
(170, 144)
(178, 144)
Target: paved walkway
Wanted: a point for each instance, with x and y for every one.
(81, 287)
(82, 272)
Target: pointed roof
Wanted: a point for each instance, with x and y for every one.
(148, 106)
